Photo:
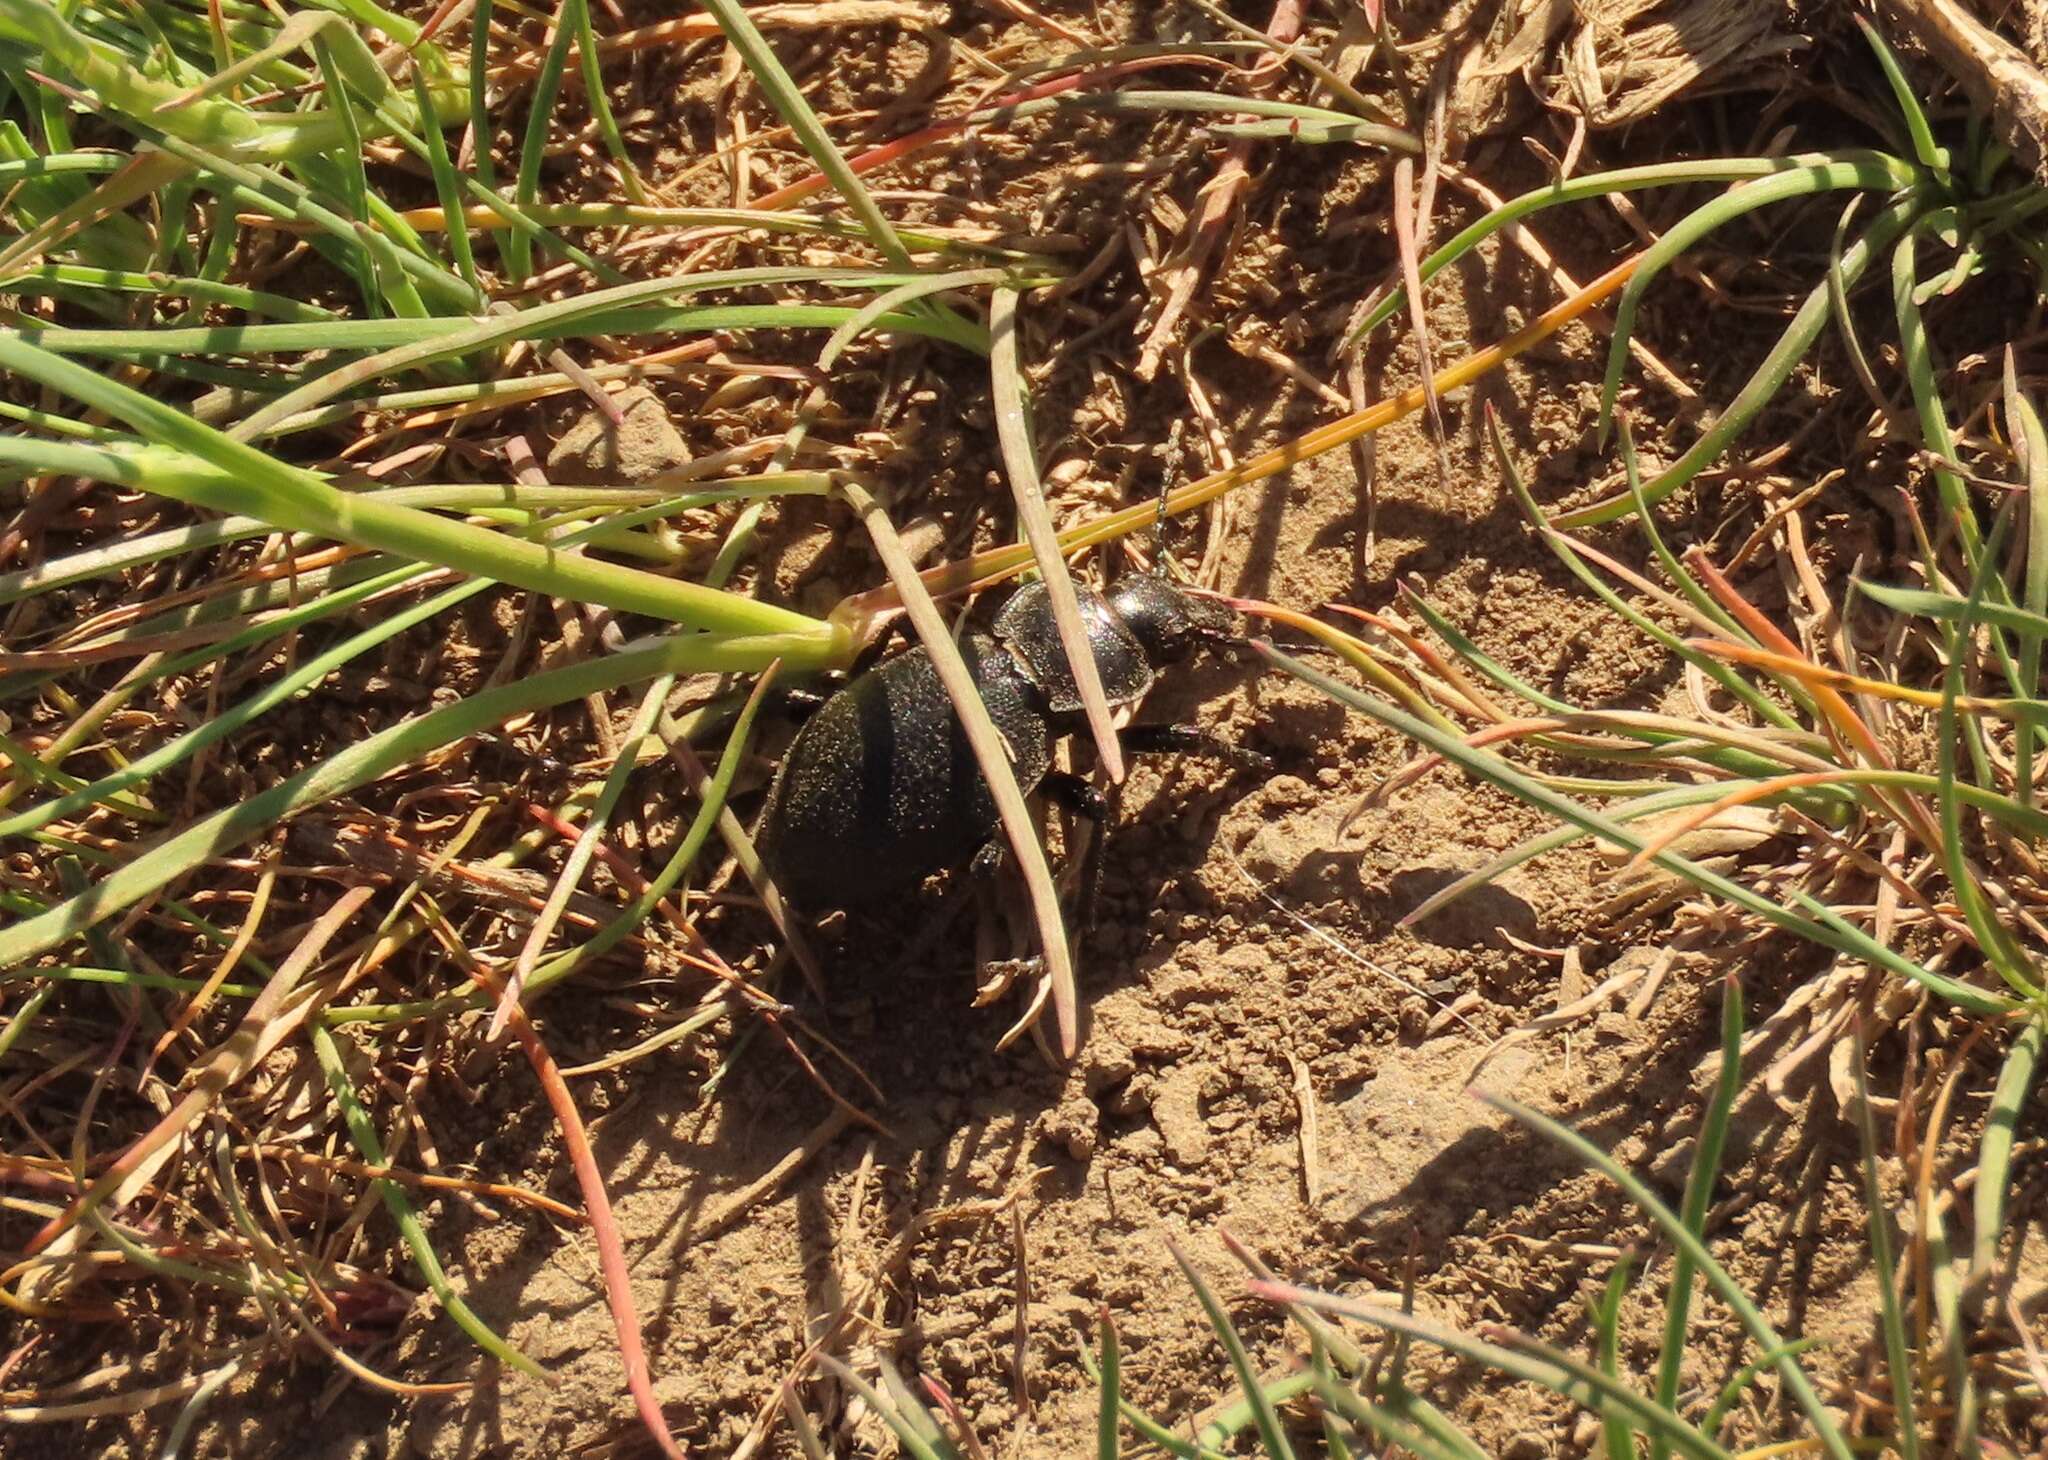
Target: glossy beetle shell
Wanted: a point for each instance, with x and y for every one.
(880, 787)
(1026, 627)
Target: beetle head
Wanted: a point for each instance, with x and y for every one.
(1167, 621)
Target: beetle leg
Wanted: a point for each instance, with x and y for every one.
(1083, 800)
(1187, 740)
(802, 702)
(986, 860)
(1074, 794)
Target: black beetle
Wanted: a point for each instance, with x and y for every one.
(880, 787)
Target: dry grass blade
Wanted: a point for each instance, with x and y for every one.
(1013, 429)
(604, 1229)
(995, 766)
(1406, 218)
(268, 1021)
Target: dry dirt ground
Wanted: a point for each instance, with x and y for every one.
(1266, 1051)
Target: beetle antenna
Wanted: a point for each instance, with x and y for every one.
(1168, 466)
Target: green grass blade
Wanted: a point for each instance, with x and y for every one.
(1561, 545)
(1616, 1431)
(1335, 1444)
(1765, 382)
(61, 278)
(562, 965)
(600, 106)
(605, 311)
(1874, 172)
(248, 482)
(1994, 1156)
(1109, 1378)
(1729, 1291)
(479, 103)
(1898, 1355)
(363, 1131)
(1717, 1413)
(1925, 378)
(1243, 1415)
(790, 104)
(1148, 1428)
(1591, 186)
(547, 86)
(2030, 441)
(1271, 1434)
(916, 1439)
(1699, 1191)
(2000, 948)
(1947, 608)
(447, 185)
(1917, 127)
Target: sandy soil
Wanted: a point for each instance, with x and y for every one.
(1266, 1051)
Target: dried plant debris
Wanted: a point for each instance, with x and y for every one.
(1614, 62)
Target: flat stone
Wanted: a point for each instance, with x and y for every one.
(594, 452)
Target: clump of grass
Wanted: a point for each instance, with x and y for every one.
(1892, 749)
(176, 177)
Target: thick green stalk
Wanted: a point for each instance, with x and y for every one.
(249, 482)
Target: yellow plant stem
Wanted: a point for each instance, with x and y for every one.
(1808, 672)
(859, 611)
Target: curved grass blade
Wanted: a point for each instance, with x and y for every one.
(1765, 382)
(1730, 1292)
(1590, 186)
(1271, 1434)
(606, 310)
(1934, 158)
(1528, 1361)
(1717, 1414)
(447, 185)
(1831, 930)
(53, 278)
(1874, 172)
(1567, 552)
(909, 1421)
(1917, 355)
(564, 964)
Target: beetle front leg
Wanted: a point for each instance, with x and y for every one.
(1083, 800)
(1187, 740)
